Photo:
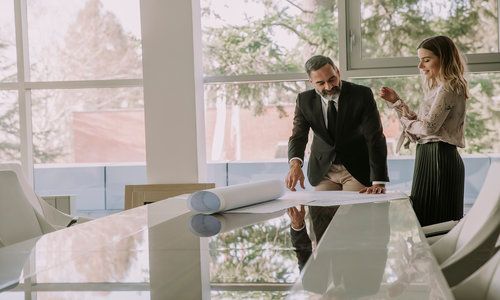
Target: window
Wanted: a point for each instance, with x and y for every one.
(385, 34)
(80, 85)
(254, 52)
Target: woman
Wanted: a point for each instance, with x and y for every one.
(438, 129)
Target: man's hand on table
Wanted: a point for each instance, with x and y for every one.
(374, 189)
(295, 175)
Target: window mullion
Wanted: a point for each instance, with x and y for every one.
(353, 34)
(24, 95)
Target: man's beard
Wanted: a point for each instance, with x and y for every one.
(331, 94)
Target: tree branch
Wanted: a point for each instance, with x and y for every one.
(298, 33)
(299, 8)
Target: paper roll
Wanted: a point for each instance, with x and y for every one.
(234, 196)
(209, 225)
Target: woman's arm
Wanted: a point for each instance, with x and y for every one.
(432, 121)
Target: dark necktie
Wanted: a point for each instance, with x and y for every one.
(332, 118)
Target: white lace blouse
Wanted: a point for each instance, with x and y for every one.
(441, 117)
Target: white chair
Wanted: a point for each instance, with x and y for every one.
(19, 221)
(436, 231)
(472, 241)
(53, 216)
(484, 284)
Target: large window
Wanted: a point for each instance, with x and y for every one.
(254, 52)
(384, 34)
(71, 81)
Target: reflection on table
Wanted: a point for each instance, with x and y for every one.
(153, 252)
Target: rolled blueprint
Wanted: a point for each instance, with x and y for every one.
(235, 196)
(209, 225)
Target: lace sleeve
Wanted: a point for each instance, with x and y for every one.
(430, 122)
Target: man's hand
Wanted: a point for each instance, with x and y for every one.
(297, 217)
(374, 189)
(294, 175)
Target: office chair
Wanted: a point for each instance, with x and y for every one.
(484, 284)
(19, 221)
(471, 242)
(55, 217)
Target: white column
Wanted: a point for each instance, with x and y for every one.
(173, 91)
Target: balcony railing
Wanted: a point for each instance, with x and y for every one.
(100, 188)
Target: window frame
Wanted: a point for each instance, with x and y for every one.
(356, 66)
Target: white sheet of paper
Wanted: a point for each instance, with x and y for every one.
(267, 207)
(329, 198)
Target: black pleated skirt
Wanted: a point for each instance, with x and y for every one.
(437, 191)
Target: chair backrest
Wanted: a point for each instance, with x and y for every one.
(19, 221)
(50, 214)
(472, 241)
(484, 284)
(26, 187)
(137, 195)
(486, 205)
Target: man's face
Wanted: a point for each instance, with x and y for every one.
(326, 81)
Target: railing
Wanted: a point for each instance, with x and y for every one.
(100, 187)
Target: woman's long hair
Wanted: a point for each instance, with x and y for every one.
(452, 64)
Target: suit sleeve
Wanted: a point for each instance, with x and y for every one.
(302, 244)
(375, 139)
(298, 140)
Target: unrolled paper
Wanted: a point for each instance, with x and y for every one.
(234, 196)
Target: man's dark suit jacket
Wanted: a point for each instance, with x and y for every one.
(359, 141)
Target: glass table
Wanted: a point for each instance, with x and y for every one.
(163, 251)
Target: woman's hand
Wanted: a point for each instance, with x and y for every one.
(388, 94)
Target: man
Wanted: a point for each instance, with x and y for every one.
(348, 151)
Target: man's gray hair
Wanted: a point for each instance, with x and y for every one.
(317, 62)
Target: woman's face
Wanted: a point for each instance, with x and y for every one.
(429, 63)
